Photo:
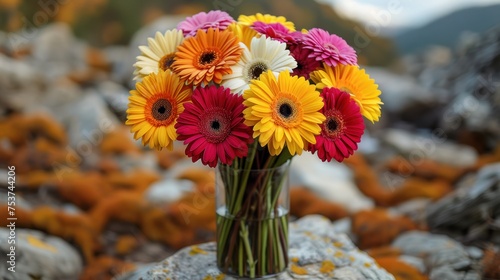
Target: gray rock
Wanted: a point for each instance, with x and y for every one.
(87, 120)
(469, 209)
(447, 273)
(474, 252)
(414, 209)
(419, 147)
(438, 249)
(400, 92)
(116, 96)
(168, 190)
(444, 257)
(39, 256)
(17, 74)
(313, 241)
(122, 61)
(56, 51)
(332, 181)
(418, 263)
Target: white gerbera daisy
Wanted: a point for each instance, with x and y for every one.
(159, 54)
(264, 54)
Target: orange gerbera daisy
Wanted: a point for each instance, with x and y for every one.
(207, 56)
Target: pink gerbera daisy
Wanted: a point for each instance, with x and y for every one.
(305, 64)
(329, 48)
(204, 21)
(342, 130)
(212, 126)
(276, 31)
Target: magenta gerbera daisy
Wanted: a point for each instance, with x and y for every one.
(212, 126)
(342, 130)
(305, 64)
(329, 48)
(276, 31)
(204, 21)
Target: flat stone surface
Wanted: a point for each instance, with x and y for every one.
(316, 251)
(38, 256)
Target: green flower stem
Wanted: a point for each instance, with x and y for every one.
(252, 236)
(246, 242)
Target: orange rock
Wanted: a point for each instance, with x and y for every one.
(304, 202)
(40, 154)
(157, 225)
(400, 269)
(195, 210)
(6, 152)
(167, 159)
(34, 179)
(96, 59)
(122, 206)
(382, 252)
(19, 129)
(107, 165)
(126, 244)
(491, 264)
(420, 188)
(200, 176)
(82, 189)
(75, 228)
(106, 268)
(118, 142)
(376, 227)
(137, 180)
(367, 180)
(426, 168)
(24, 216)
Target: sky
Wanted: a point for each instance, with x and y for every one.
(394, 14)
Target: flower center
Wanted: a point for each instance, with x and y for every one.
(330, 46)
(285, 110)
(207, 58)
(334, 125)
(256, 69)
(215, 125)
(162, 109)
(166, 61)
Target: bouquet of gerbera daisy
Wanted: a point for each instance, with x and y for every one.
(249, 95)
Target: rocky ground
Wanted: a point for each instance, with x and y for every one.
(421, 196)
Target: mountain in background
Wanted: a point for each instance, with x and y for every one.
(446, 31)
(112, 22)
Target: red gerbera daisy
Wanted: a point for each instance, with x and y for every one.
(305, 64)
(212, 126)
(342, 130)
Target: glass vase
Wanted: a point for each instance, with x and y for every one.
(252, 220)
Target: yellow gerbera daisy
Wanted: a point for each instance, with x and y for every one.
(159, 54)
(244, 33)
(207, 56)
(352, 79)
(283, 111)
(249, 20)
(154, 106)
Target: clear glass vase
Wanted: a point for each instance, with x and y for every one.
(252, 220)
